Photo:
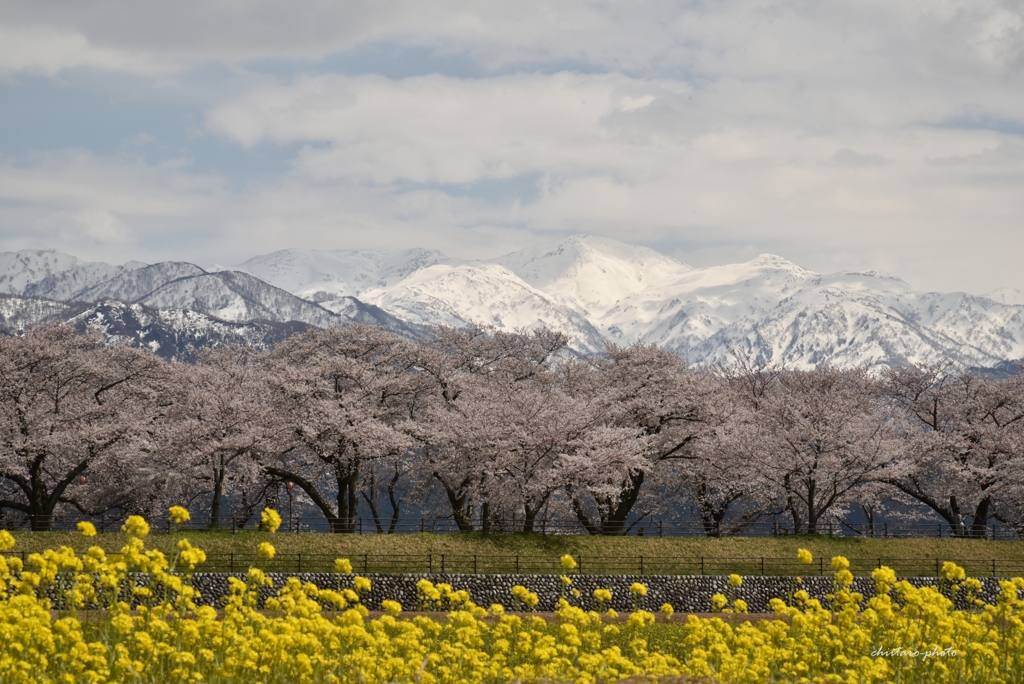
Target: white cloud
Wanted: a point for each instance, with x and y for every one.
(439, 129)
(46, 50)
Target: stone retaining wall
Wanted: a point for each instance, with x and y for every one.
(686, 593)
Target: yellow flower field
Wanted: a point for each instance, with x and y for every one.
(157, 633)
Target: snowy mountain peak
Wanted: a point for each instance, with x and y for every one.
(1006, 295)
(326, 275)
(775, 262)
(135, 285)
(20, 269)
(482, 294)
(591, 273)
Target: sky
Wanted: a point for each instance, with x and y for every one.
(884, 134)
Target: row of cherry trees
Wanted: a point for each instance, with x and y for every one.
(483, 426)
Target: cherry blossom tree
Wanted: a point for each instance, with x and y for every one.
(651, 392)
(346, 393)
(965, 434)
(460, 430)
(70, 407)
(822, 435)
(222, 423)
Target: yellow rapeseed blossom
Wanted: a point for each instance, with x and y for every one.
(132, 616)
(270, 520)
(343, 565)
(136, 526)
(568, 562)
(804, 556)
(179, 515)
(952, 572)
(735, 580)
(265, 550)
(87, 529)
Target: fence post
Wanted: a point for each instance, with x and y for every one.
(641, 566)
(474, 564)
(821, 566)
(762, 566)
(231, 561)
(702, 565)
(442, 563)
(993, 567)
(517, 563)
(422, 524)
(430, 563)
(300, 561)
(936, 567)
(660, 531)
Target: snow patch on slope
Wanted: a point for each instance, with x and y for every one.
(483, 294)
(591, 274)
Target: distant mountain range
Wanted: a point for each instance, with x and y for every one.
(595, 290)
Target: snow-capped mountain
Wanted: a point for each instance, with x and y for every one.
(599, 290)
(484, 294)
(596, 290)
(235, 296)
(324, 275)
(70, 284)
(19, 270)
(591, 274)
(135, 285)
(171, 333)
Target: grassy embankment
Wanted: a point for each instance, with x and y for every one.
(537, 553)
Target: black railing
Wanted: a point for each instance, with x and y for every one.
(554, 526)
(590, 565)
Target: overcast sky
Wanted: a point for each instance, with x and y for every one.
(883, 134)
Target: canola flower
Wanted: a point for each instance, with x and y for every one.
(132, 617)
(87, 529)
(136, 526)
(804, 556)
(270, 520)
(179, 515)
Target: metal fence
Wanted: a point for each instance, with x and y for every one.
(591, 565)
(552, 526)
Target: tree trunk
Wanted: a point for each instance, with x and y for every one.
(581, 515)
(218, 497)
(395, 506)
(979, 528)
(458, 499)
(614, 525)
